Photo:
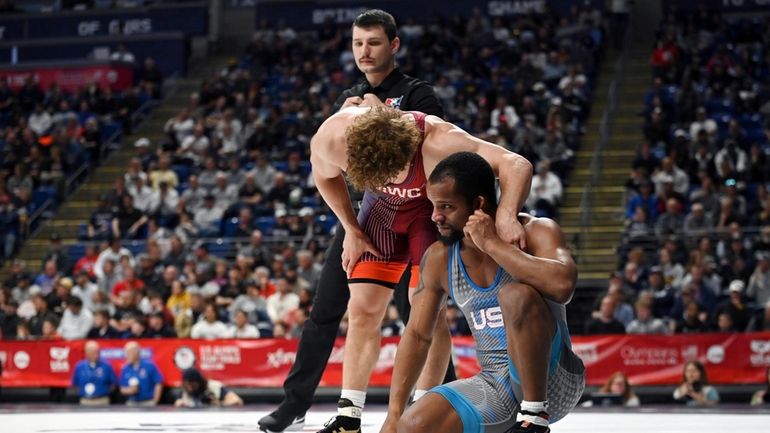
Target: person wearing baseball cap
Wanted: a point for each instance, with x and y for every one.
(197, 391)
(735, 306)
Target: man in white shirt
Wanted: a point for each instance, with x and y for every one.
(76, 320)
(208, 214)
(645, 322)
(546, 189)
(669, 172)
(40, 121)
(732, 156)
(194, 194)
(225, 194)
(503, 115)
(114, 252)
(704, 123)
(181, 126)
(194, 145)
(264, 174)
(282, 301)
(85, 290)
(141, 193)
(164, 200)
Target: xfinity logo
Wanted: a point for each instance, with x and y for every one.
(487, 318)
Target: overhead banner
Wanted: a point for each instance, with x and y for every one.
(309, 14)
(725, 6)
(192, 20)
(169, 50)
(648, 360)
(72, 78)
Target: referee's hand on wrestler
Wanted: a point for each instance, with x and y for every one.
(356, 243)
(353, 101)
(509, 228)
(371, 100)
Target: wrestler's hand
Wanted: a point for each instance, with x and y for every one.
(371, 100)
(390, 425)
(509, 228)
(481, 230)
(353, 101)
(356, 243)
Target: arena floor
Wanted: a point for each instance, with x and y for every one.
(22, 419)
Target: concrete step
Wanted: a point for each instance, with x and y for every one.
(629, 153)
(602, 231)
(576, 201)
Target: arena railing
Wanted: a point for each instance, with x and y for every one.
(605, 125)
(653, 242)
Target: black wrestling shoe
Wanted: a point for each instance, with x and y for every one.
(529, 427)
(281, 420)
(348, 419)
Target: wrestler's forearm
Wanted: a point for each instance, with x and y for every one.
(553, 278)
(335, 193)
(410, 359)
(515, 174)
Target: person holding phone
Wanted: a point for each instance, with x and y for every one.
(695, 389)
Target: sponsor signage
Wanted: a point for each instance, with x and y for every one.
(71, 78)
(192, 20)
(648, 360)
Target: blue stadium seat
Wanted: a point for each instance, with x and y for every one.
(76, 251)
(43, 194)
(327, 222)
(221, 248)
(82, 231)
(305, 167)
(136, 247)
(310, 201)
(229, 227)
(280, 165)
(265, 224)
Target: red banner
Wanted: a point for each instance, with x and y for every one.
(648, 360)
(72, 78)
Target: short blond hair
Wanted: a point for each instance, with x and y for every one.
(381, 142)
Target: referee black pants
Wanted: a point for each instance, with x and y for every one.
(320, 330)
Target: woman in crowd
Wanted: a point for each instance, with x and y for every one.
(694, 389)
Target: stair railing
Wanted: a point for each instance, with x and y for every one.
(605, 127)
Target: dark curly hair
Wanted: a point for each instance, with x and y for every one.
(381, 142)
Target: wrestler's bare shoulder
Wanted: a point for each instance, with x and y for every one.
(437, 255)
(540, 229)
(530, 222)
(433, 266)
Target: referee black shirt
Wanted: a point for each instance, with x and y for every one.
(398, 90)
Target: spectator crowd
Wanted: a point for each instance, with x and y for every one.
(47, 136)
(695, 253)
(218, 231)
